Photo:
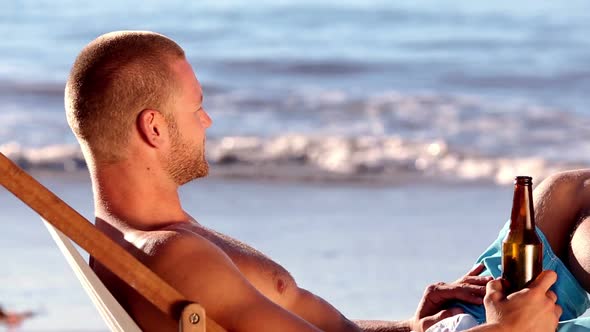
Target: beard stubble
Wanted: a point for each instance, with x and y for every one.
(186, 161)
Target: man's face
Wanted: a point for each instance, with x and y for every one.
(187, 125)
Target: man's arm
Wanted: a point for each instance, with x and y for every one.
(320, 313)
(312, 308)
(212, 280)
(384, 326)
(316, 311)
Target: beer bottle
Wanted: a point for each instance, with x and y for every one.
(522, 250)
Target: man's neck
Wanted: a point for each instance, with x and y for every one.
(136, 197)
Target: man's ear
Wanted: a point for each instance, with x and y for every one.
(152, 127)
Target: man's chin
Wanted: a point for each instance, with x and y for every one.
(202, 172)
(204, 169)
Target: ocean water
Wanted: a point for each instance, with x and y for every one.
(443, 90)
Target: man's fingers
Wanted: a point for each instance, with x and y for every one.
(473, 276)
(551, 295)
(558, 311)
(440, 293)
(479, 290)
(494, 290)
(476, 280)
(544, 281)
(476, 270)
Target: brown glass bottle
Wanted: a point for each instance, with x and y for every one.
(522, 250)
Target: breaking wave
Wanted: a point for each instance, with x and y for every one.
(383, 160)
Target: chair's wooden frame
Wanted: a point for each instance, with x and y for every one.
(191, 316)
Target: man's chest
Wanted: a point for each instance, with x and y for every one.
(269, 277)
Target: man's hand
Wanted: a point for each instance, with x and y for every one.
(470, 288)
(531, 309)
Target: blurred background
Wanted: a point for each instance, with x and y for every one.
(374, 140)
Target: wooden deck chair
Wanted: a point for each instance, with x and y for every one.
(191, 316)
(111, 311)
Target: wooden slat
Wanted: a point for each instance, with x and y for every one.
(97, 244)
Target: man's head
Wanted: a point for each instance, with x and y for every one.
(129, 93)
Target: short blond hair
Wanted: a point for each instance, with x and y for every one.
(113, 79)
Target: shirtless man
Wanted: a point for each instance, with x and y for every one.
(135, 106)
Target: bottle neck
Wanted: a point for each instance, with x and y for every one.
(523, 217)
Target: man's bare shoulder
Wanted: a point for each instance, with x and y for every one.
(171, 246)
(196, 267)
